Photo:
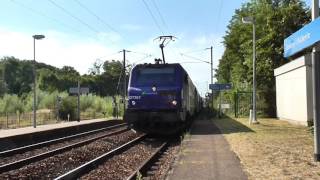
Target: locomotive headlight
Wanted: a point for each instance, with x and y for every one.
(174, 102)
(133, 103)
(154, 89)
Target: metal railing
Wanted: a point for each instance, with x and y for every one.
(18, 120)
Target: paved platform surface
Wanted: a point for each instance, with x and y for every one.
(205, 154)
(26, 130)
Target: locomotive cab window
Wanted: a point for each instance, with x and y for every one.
(149, 76)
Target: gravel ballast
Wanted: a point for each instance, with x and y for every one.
(59, 164)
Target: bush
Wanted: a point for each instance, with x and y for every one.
(48, 101)
(11, 104)
(91, 105)
(86, 102)
(68, 106)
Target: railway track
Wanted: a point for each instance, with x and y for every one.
(30, 147)
(11, 168)
(128, 161)
(150, 164)
(120, 154)
(89, 166)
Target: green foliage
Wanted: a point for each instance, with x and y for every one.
(86, 102)
(10, 104)
(48, 100)
(68, 107)
(17, 77)
(275, 20)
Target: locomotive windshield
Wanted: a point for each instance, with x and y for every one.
(150, 76)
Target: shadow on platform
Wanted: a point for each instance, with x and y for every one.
(205, 124)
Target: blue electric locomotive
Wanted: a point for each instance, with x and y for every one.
(162, 98)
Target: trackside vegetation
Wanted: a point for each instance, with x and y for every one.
(275, 20)
(16, 95)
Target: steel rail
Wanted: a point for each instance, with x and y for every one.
(85, 168)
(148, 162)
(22, 149)
(22, 162)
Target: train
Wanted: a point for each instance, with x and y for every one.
(162, 98)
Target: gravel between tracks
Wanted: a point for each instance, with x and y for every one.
(59, 164)
(16, 157)
(165, 163)
(122, 165)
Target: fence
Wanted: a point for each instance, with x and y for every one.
(16, 120)
(239, 103)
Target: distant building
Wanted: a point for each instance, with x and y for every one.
(294, 91)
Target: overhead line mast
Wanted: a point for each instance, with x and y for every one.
(124, 78)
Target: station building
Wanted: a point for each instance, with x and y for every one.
(294, 91)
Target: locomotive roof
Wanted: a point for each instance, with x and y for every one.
(159, 65)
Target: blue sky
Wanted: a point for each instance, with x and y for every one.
(116, 25)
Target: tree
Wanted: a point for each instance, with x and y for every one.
(96, 68)
(275, 20)
(18, 77)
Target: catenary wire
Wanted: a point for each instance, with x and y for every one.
(76, 18)
(198, 59)
(96, 16)
(160, 15)
(153, 18)
(44, 15)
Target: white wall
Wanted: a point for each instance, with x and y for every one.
(294, 91)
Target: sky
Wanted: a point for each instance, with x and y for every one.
(81, 32)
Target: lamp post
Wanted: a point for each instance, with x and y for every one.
(251, 20)
(35, 37)
(211, 76)
(316, 86)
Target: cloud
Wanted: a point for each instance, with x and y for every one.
(207, 40)
(109, 37)
(56, 49)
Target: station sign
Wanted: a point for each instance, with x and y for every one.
(220, 87)
(302, 39)
(83, 90)
(225, 106)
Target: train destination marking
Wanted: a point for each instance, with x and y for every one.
(135, 97)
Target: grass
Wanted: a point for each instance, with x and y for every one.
(273, 149)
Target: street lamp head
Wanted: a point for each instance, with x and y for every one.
(248, 20)
(38, 37)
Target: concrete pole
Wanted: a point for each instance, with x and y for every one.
(254, 104)
(124, 81)
(315, 9)
(78, 110)
(34, 85)
(211, 70)
(316, 88)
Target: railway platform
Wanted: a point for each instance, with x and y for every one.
(10, 138)
(205, 154)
